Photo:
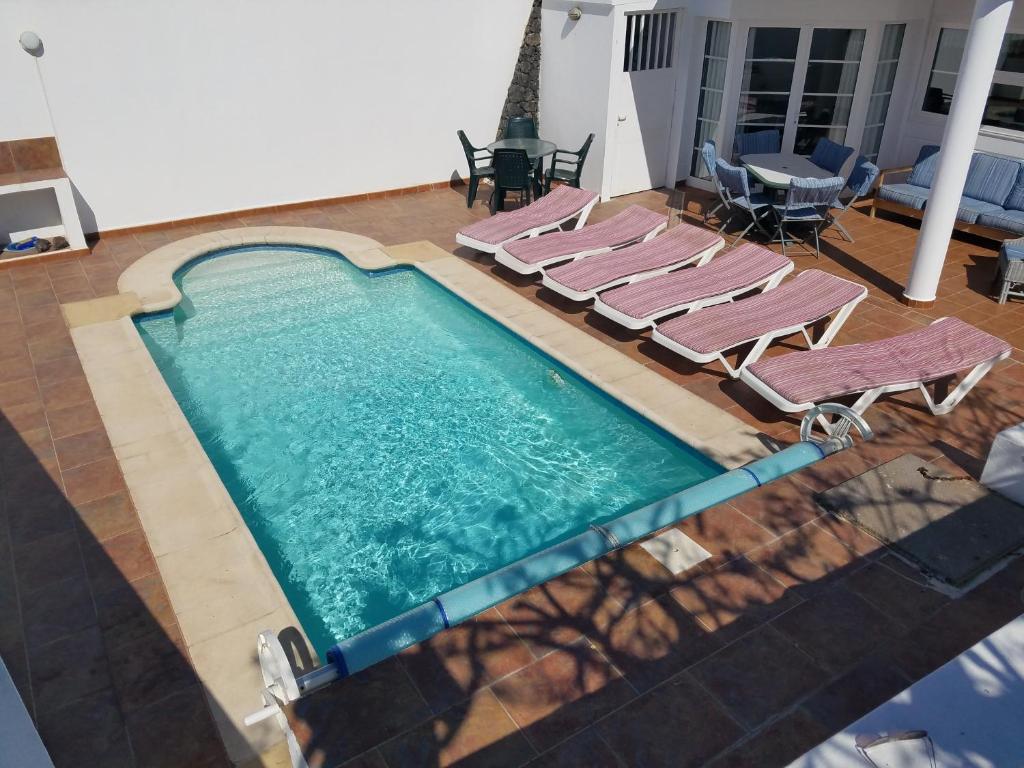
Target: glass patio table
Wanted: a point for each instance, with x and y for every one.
(775, 169)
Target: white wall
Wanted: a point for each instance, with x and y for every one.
(172, 110)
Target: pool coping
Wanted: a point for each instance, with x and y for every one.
(221, 588)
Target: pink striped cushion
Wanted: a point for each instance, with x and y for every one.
(940, 349)
(811, 295)
(677, 246)
(624, 227)
(561, 203)
(746, 265)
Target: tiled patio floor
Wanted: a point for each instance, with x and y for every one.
(796, 627)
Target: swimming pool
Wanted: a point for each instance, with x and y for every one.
(386, 442)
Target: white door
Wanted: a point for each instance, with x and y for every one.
(645, 94)
(801, 82)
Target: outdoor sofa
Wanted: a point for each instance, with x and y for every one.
(992, 204)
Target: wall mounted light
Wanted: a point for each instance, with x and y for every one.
(576, 13)
(32, 43)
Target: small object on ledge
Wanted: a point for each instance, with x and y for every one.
(32, 246)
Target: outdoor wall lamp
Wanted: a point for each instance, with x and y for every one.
(31, 42)
(576, 13)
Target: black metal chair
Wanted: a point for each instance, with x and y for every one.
(520, 128)
(513, 172)
(476, 172)
(573, 169)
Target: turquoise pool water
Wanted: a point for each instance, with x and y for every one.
(386, 442)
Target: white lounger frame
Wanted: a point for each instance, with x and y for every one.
(506, 259)
(762, 342)
(638, 324)
(701, 259)
(868, 397)
(480, 245)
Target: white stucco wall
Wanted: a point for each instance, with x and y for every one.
(172, 110)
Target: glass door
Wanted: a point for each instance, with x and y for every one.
(801, 82)
(832, 68)
(766, 89)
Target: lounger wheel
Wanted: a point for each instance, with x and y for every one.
(838, 428)
(280, 686)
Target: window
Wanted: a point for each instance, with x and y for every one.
(1005, 107)
(827, 100)
(649, 41)
(712, 90)
(881, 90)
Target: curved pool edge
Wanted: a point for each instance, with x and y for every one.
(221, 587)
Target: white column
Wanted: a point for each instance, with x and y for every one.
(981, 53)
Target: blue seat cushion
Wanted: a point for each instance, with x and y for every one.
(1011, 221)
(804, 213)
(756, 201)
(990, 178)
(970, 209)
(923, 172)
(910, 195)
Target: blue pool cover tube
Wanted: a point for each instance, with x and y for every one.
(455, 606)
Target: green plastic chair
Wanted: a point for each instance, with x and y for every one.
(476, 172)
(573, 162)
(520, 128)
(513, 172)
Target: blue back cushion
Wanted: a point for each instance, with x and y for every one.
(924, 168)
(1015, 201)
(991, 178)
(830, 155)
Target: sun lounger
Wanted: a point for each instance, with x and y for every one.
(684, 244)
(795, 382)
(549, 212)
(793, 307)
(741, 270)
(529, 256)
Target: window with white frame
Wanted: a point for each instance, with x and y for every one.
(712, 90)
(1005, 107)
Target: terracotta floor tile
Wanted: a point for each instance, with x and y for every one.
(58, 370)
(68, 669)
(655, 641)
(73, 390)
(36, 298)
(47, 513)
(47, 561)
(805, 559)
(107, 517)
(584, 750)
(734, 599)
(724, 532)
(26, 448)
(117, 561)
(778, 744)
(562, 693)
(133, 611)
(451, 666)
(149, 667)
(837, 628)
(17, 367)
(19, 392)
(759, 675)
(44, 313)
(558, 612)
(93, 481)
(83, 448)
(156, 733)
(73, 419)
(780, 506)
(51, 347)
(890, 586)
(57, 610)
(674, 726)
(87, 732)
(631, 575)
(476, 733)
(354, 715)
(872, 682)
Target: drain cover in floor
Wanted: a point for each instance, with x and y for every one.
(952, 526)
(675, 550)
